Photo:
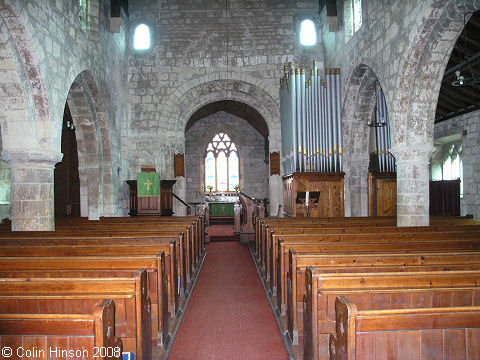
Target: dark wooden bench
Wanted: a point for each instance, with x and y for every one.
(416, 334)
(405, 242)
(87, 247)
(378, 291)
(100, 267)
(272, 236)
(383, 262)
(85, 336)
(81, 296)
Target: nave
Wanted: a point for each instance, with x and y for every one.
(228, 316)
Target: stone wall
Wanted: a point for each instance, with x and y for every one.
(469, 126)
(251, 150)
(405, 45)
(204, 53)
(62, 41)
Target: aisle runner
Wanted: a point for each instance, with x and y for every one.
(228, 316)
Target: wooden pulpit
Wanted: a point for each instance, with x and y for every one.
(152, 205)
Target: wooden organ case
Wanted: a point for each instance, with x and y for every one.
(382, 194)
(326, 194)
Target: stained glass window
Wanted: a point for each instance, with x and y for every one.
(221, 164)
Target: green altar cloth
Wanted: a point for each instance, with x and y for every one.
(148, 184)
(221, 209)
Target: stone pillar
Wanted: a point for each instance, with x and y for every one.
(32, 189)
(356, 186)
(89, 193)
(413, 184)
(275, 194)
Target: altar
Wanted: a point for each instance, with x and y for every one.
(221, 205)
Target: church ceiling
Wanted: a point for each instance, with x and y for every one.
(235, 108)
(456, 100)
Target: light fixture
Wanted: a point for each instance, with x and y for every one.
(69, 126)
(379, 121)
(465, 80)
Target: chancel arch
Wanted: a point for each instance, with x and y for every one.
(183, 105)
(232, 133)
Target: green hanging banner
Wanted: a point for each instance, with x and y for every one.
(148, 184)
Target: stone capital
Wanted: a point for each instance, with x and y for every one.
(412, 154)
(31, 158)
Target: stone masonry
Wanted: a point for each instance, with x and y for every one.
(131, 107)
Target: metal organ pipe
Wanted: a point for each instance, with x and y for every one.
(311, 120)
(338, 101)
(386, 162)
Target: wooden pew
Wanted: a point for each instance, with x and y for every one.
(88, 247)
(86, 336)
(272, 236)
(385, 237)
(99, 267)
(81, 296)
(183, 253)
(276, 224)
(416, 334)
(405, 242)
(374, 291)
(373, 247)
(383, 262)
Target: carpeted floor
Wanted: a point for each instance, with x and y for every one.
(228, 316)
(221, 233)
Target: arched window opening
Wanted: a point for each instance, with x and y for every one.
(221, 164)
(353, 17)
(141, 37)
(308, 33)
(447, 163)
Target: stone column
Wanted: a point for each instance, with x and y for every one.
(275, 194)
(413, 201)
(32, 189)
(356, 186)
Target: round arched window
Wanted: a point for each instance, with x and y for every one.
(308, 33)
(141, 37)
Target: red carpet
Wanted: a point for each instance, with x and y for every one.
(221, 233)
(228, 316)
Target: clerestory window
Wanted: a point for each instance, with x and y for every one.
(221, 164)
(353, 17)
(141, 37)
(308, 33)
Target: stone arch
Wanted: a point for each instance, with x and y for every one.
(415, 105)
(360, 97)
(27, 130)
(190, 97)
(187, 100)
(94, 151)
(25, 97)
(426, 60)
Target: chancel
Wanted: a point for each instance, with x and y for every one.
(240, 179)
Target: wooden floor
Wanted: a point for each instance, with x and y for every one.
(228, 316)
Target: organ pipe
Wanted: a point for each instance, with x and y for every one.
(311, 120)
(386, 162)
